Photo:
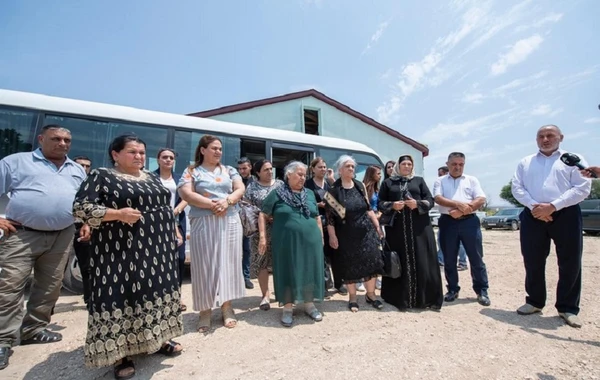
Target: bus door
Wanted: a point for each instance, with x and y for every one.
(283, 154)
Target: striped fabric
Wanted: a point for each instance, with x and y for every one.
(216, 255)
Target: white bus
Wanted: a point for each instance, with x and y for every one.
(94, 125)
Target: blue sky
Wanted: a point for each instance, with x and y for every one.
(474, 76)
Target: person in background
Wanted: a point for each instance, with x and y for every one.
(135, 301)
(297, 243)
(320, 186)
(166, 165)
(36, 235)
(256, 192)
(409, 200)
(372, 181)
(213, 190)
(389, 169)
(551, 192)
(462, 254)
(82, 246)
(354, 232)
(459, 196)
(245, 171)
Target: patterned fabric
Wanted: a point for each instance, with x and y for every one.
(255, 195)
(216, 254)
(288, 197)
(135, 300)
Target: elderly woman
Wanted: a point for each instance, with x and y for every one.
(407, 199)
(166, 164)
(297, 244)
(354, 230)
(255, 194)
(212, 190)
(134, 305)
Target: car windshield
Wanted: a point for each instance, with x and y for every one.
(508, 212)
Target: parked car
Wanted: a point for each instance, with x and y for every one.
(507, 218)
(590, 211)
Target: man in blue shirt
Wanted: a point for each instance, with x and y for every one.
(37, 235)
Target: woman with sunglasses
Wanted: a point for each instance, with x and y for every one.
(166, 164)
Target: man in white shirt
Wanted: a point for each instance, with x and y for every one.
(551, 192)
(459, 196)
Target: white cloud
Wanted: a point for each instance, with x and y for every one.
(545, 110)
(517, 54)
(376, 36)
(576, 135)
(517, 83)
(550, 18)
(592, 120)
(475, 98)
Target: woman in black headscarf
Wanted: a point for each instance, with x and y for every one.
(405, 201)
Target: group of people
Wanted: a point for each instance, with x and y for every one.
(130, 229)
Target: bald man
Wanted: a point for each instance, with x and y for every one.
(551, 192)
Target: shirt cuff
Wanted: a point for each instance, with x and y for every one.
(558, 204)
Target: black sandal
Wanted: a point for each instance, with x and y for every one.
(125, 365)
(170, 348)
(43, 337)
(353, 306)
(377, 304)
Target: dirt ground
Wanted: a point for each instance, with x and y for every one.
(464, 341)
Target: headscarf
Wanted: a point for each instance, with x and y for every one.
(396, 172)
(288, 197)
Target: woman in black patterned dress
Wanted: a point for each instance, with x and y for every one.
(353, 231)
(408, 199)
(135, 301)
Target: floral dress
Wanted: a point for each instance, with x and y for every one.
(134, 304)
(256, 194)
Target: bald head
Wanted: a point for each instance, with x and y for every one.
(549, 138)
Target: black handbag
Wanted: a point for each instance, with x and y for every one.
(391, 261)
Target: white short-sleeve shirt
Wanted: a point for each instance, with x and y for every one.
(462, 189)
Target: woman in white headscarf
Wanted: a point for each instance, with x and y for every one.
(405, 201)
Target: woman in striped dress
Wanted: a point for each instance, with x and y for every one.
(212, 190)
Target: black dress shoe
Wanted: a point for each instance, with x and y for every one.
(4, 354)
(249, 284)
(451, 296)
(484, 299)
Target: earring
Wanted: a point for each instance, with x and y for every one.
(116, 163)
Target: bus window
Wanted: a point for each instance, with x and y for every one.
(15, 131)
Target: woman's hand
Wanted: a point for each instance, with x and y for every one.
(219, 207)
(321, 204)
(176, 211)
(179, 237)
(333, 242)
(379, 232)
(262, 245)
(411, 204)
(85, 233)
(398, 205)
(129, 215)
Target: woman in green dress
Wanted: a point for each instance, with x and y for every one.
(296, 244)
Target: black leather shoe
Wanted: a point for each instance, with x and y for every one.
(484, 299)
(249, 284)
(451, 296)
(4, 354)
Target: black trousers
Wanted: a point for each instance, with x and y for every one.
(566, 232)
(83, 254)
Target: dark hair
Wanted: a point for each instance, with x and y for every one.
(385, 174)
(455, 154)
(444, 169)
(316, 161)
(161, 150)
(48, 127)
(371, 184)
(118, 144)
(204, 142)
(82, 158)
(258, 165)
(244, 160)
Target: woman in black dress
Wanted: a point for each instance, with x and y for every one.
(407, 200)
(135, 304)
(354, 232)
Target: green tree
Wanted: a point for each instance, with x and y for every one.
(506, 194)
(595, 193)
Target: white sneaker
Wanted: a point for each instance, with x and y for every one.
(360, 287)
(528, 309)
(571, 319)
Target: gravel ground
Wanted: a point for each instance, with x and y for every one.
(464, 341)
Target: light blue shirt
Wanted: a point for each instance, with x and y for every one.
(212, 185)
(462, 189)
(40, 194)
(546, 179)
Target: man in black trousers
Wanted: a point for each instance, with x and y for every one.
(551, 192)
